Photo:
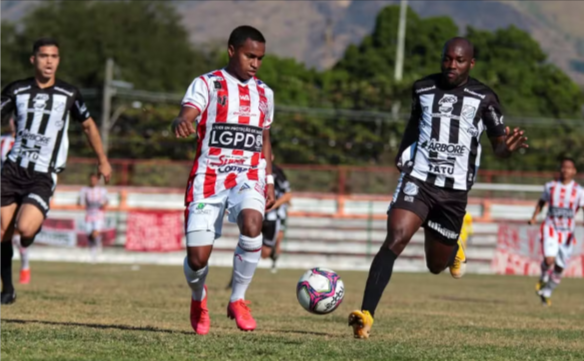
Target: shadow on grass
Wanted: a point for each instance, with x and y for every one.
(146, 328)
(98, 326)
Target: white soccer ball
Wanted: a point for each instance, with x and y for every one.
(320, 290)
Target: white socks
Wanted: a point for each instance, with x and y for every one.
(196, 280)
(24, 261)
(245, 261)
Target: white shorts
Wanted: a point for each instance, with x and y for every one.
(95, 225)
(557, 244)
(207, 214)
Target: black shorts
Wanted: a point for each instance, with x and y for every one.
(21, 186)
(270, 231)
(441, 209)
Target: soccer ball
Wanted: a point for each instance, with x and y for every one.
(320, 291)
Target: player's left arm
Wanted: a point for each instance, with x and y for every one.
(80, 113)
(267, 149)
(503, 140)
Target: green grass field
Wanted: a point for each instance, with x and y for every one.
(112, 312)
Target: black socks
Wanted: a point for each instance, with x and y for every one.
(379, 276)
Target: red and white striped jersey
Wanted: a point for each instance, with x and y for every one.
(6, 143)
(94, 199)
(563, 201)
(229, 132)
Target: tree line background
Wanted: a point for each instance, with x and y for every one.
(337, 116)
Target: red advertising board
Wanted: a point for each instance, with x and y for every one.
(154, 231)
(519, 252)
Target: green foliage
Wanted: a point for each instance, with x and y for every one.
(152, 50)
(145, 38)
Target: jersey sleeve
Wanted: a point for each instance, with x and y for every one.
(197, 95)
(581, 204)
(79, 110)
(8, 101)
(493, 116)
(269, 119)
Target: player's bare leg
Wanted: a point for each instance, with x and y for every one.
(196, 270)
(8, 215)
(245, 261)
(440, 255)
(401, 226)
(95, 244)
(28, 223)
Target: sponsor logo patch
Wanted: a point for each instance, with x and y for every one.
(236, 137)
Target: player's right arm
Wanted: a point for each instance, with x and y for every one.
(194, 103)
(540, 204)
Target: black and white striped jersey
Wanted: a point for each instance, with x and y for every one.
(281, 186)
(42, 118)
(441, 144)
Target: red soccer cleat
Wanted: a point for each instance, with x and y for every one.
(200, 319)
(24, 276)
(239, 311)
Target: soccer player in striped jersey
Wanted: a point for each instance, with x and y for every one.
(6, 145)
(94, 199)
(43, 107)
(564, 197)
(439, 157)
(232, 171)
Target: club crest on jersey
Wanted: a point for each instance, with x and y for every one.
(40, 101)
(411, 189)
(447, 103)
(472, 131)
(468, 112)
(217, 85)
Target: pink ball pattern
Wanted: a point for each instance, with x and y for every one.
(317, 296)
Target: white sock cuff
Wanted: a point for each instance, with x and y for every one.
(250, 244)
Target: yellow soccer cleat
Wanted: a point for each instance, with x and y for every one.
(539, 285)
(458, 268)
(361, 322)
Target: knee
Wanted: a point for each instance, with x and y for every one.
(396, 240)
(550, 261)
(252, 225)
(197, 262)
(26, 231)
(266, 252)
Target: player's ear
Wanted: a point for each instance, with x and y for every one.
(32, 59)
(231, 51)
(472, 63)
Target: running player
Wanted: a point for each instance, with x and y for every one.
(438, 157)
(233, 111)
(564, 198)
(6, 144)
(43, 107)
(275, 222)
(94, 199)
